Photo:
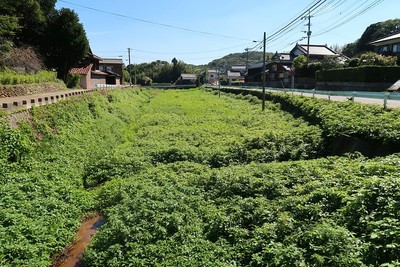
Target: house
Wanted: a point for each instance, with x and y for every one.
(90, 75)
(388, 46)
(95, 71)
(113, 67)
(277, 73)
(186, 79)
(213, 76)
(316, 52)
(236, 74)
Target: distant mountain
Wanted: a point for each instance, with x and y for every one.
(237, 59)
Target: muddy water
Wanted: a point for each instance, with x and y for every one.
(72, 256)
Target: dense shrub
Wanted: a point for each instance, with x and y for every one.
(73, 80)
(360, 74)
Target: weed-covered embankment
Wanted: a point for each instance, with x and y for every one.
(42, 164)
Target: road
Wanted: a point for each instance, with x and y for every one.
(380, 102)
(364, 100)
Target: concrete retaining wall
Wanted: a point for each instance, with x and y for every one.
(11, 104)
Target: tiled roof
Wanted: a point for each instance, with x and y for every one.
(238, 67)
(256, 66)
(389, 38)
(111, 61)
(112, 73)
(81, 71)
(234, 74)
(98, 72)
(317, 50)
(189, 76)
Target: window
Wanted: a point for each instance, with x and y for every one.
(396, 48)
(383, 49)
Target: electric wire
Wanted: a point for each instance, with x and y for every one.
(350, 16)
(317, 8)
(153, 22)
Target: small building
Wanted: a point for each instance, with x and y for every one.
(186, 79)
(95, 71)
(236, 74)
(388, 46)
(89, 77)
(213, 76)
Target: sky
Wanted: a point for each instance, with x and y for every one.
(199, 31)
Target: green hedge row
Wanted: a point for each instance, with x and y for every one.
(360, 74)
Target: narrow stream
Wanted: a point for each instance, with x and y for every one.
(72, 255)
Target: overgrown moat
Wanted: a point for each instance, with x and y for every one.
(188, 178)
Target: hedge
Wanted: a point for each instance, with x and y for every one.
(360, 74)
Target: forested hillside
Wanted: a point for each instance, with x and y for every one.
(238, 59)
(187, 178)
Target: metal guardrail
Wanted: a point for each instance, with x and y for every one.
(384, 96)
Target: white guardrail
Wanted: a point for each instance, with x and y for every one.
(351, 95)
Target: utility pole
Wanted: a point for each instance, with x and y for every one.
(129, 67)
(308, 35)
(247, 59)
(263, 71)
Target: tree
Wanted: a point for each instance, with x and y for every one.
(8, 28)
(331, 62)
(30, 17)
(350, 50)
(300, 62)
(67, 43)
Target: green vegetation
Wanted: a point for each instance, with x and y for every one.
(187, 178)
(372, 33)
(360, 74)
(369, 122)
(42, 163)
(8, 77)
(56, 35)
(251, 57)
(160, 72)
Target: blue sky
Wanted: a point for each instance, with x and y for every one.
(199, 31)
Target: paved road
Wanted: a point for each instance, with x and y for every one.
(380, 102)
(364, 100)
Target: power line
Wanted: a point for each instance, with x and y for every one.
(351, 16)
(153, 22)
(283, 30)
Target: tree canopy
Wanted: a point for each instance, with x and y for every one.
(57, 34)
(238, 59)
(160, 71)
(66, 42)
